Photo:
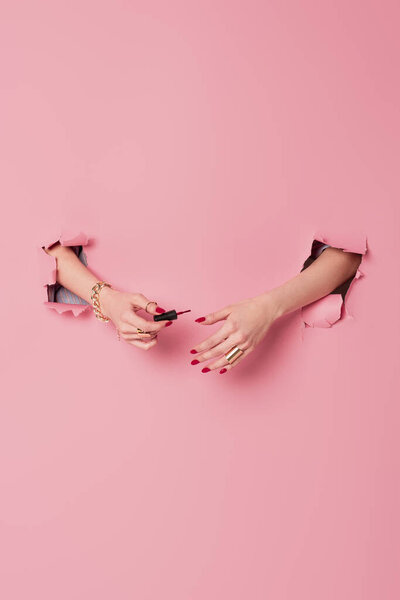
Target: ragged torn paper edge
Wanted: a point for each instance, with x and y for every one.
(48, 271)
(332, 308)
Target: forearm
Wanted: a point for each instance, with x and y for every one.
(332, 268)
(71, 273)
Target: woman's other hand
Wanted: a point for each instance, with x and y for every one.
(243, 325)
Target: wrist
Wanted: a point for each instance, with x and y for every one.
(106, 297)
(272, 303)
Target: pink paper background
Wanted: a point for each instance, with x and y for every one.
(201, 145)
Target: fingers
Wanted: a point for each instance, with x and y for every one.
(129, 337)
(139, 300)
(218, 345)
(224, 366)
(215, 339)
(214, 317)
(143, 341)
(132, 322)
(144, 345)
(150, 306)
(223, 348)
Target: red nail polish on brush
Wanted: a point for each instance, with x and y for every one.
(200, 320)
(195, 362)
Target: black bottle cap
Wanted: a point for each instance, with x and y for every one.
(170, 315)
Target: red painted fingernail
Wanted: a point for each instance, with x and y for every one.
(195, 362)
(160, 310)
(169, 323)
(193, 352)
(222, 371)
(200, 320)
(205, 370)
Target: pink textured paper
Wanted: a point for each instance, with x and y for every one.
(200, 146)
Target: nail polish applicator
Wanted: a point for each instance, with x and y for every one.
(170, 315)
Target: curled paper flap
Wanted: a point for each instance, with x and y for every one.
(324, 312)
(48, 271)
(68, 238)
(356, 242)
(60, 308)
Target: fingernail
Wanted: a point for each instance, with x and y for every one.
(205, 370)
(193, 352)
(168, 324)
(200, 320)
(195, 362)
(222, 371)
(160, 310)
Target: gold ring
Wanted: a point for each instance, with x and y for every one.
(233, 354)
(150, 302)
(142, 333)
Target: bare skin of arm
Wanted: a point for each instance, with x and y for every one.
(332, 268)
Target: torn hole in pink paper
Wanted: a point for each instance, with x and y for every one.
(57, 297)
(332, 308)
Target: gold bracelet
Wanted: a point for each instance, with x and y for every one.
(96, 289)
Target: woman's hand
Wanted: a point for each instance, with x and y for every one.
(244, 325)
(122, 308)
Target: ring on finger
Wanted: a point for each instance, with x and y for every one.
(141, 332)
(233, 354)
(150, 302)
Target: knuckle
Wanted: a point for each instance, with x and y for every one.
(240, 338)
(244, 343)
(230, 327)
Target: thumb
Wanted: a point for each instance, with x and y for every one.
(214, 317)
